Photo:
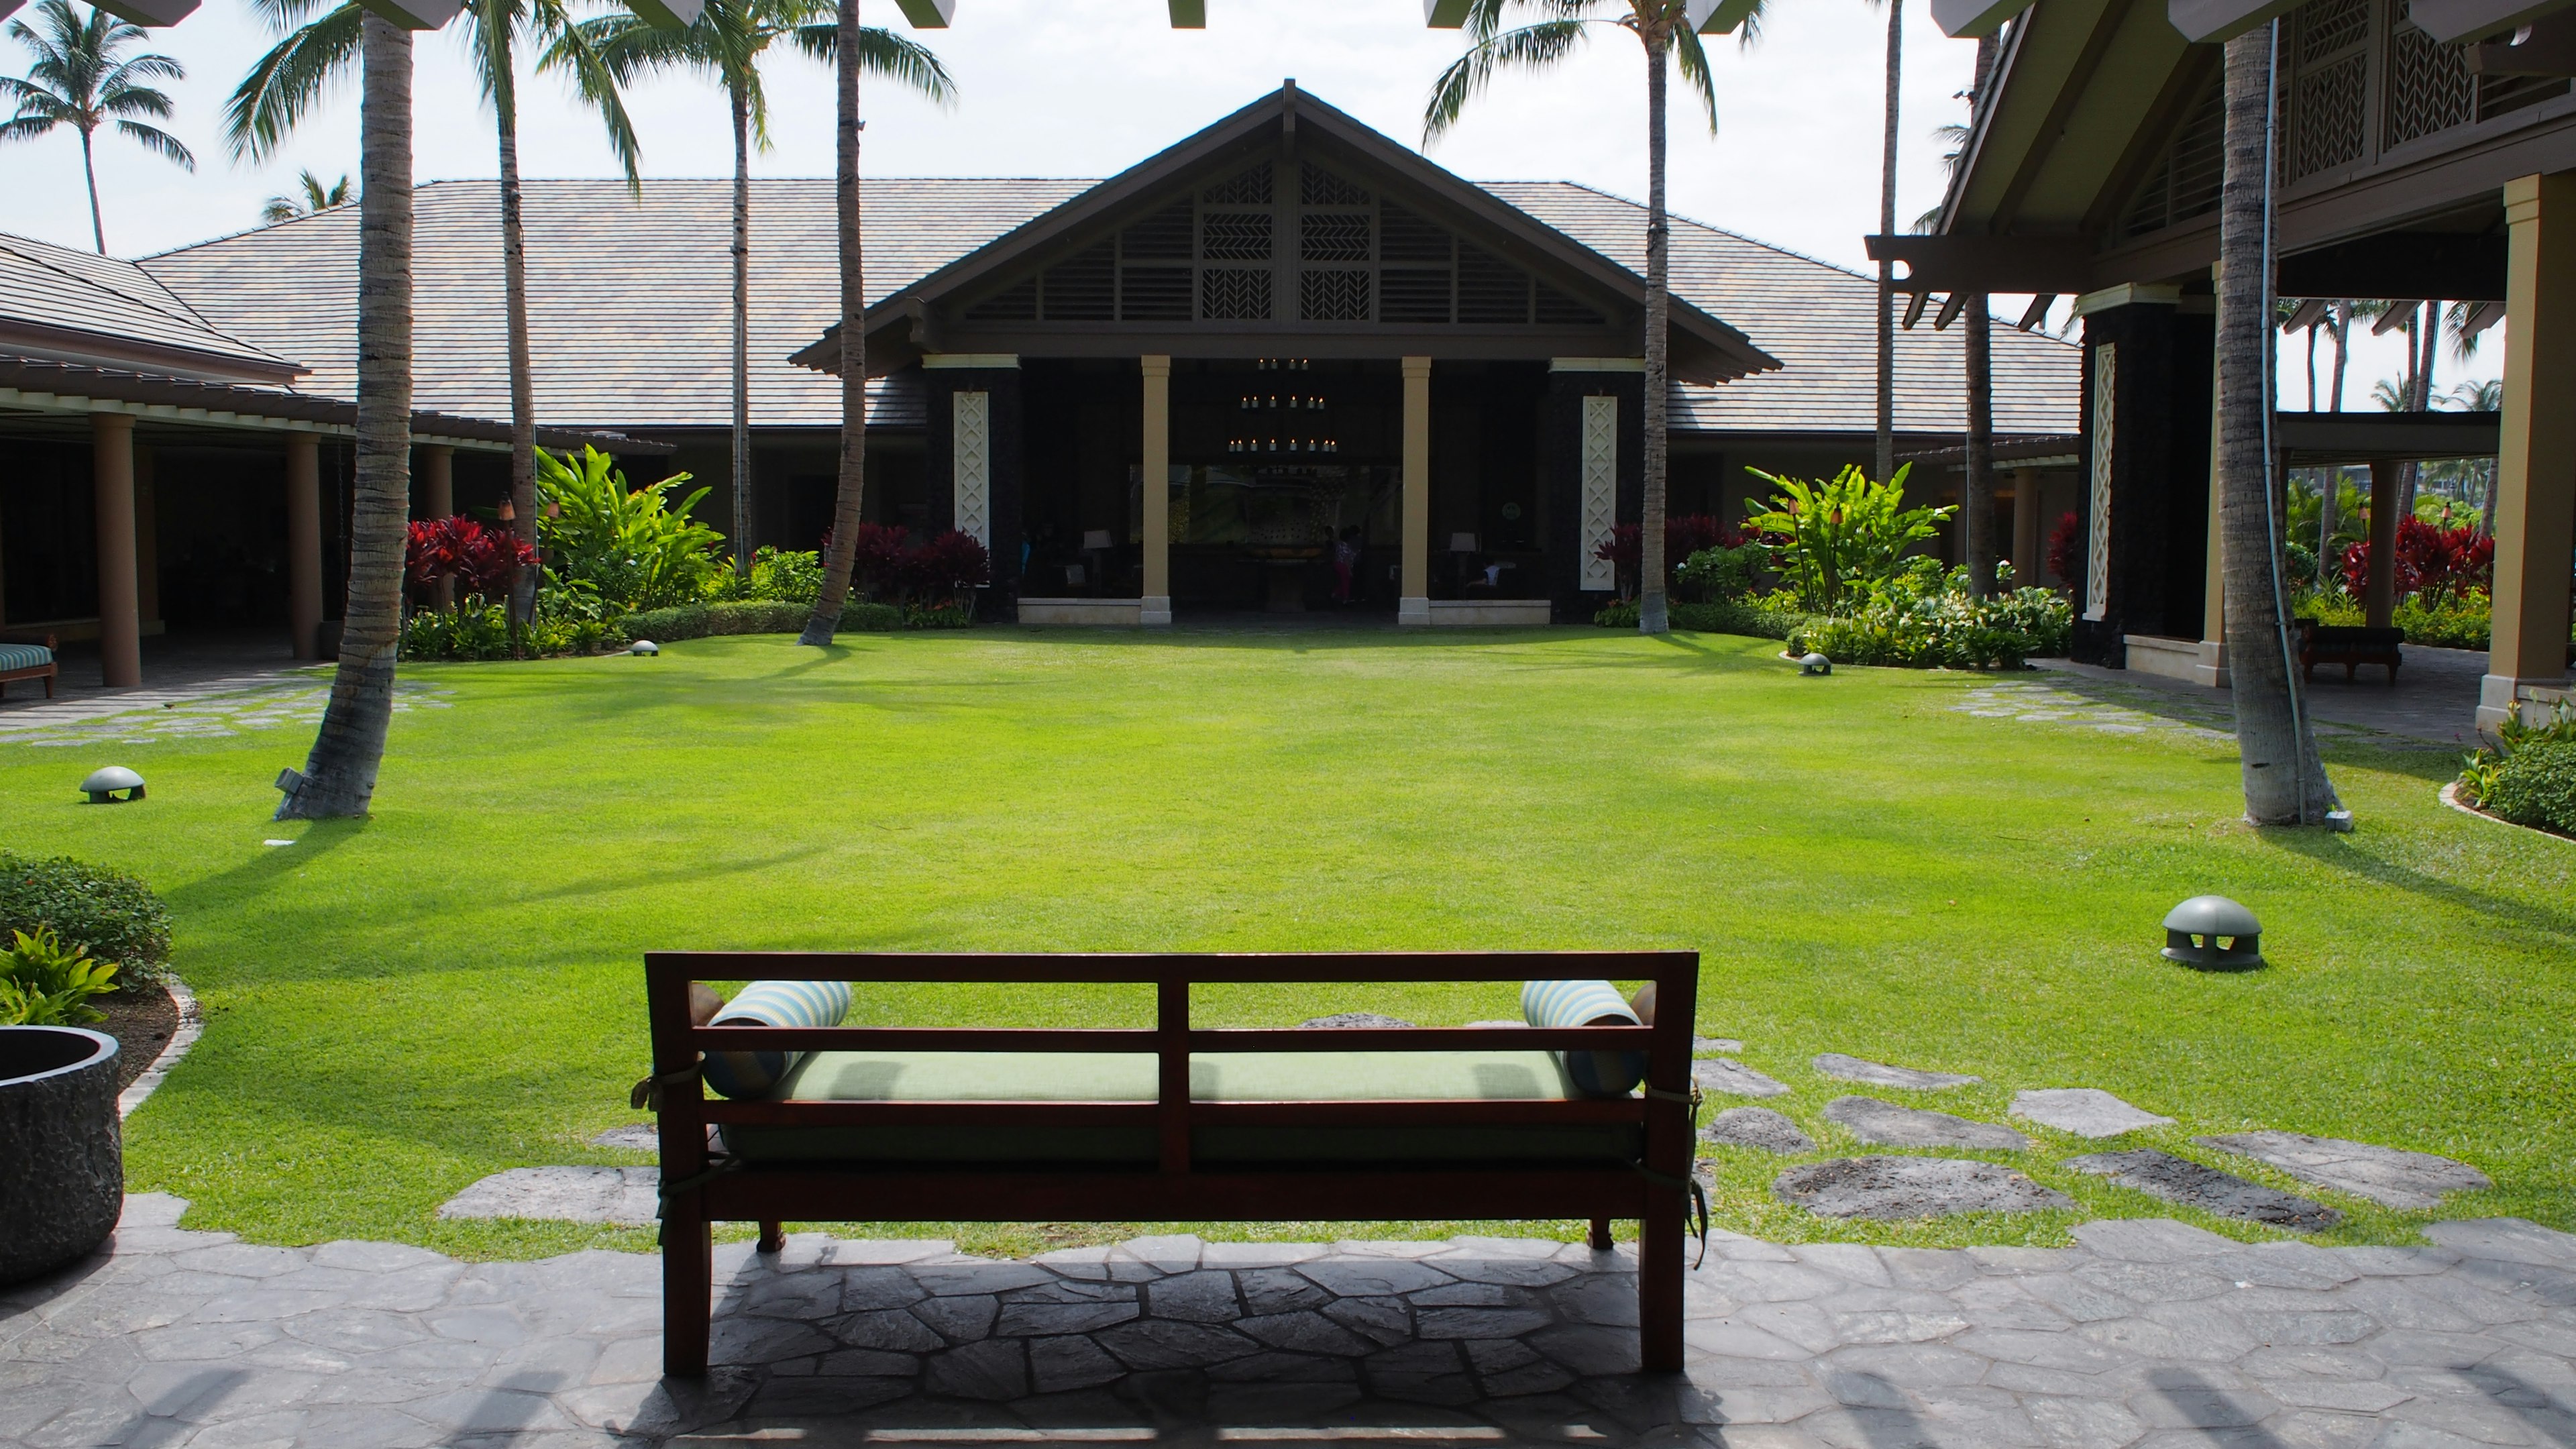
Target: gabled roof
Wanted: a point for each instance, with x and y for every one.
(664, 276)
(902, 327)
(71, 306)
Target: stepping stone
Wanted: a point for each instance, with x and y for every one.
(2179, 1179)
(1757, 1127)
(1715, 1044)
(1889, 1125)
(1344, 1019)
(624, 1195)
(2385, 1175)
(2084, 1111)
(1725, 1074)
(633, 1137)
(1879, 1074)
(1912, 1187)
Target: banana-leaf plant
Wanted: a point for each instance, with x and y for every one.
(631, 544)
(1842, 538)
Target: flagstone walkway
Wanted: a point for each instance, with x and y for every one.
(2148, 1332)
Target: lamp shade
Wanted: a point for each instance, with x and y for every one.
(141, 12)
(112, 785)
(416, 14)
(667, 14)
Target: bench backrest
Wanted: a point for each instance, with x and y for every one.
(685, 1109)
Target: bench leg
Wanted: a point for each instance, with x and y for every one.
(773, 1237)
(688, 1292)
(1600, 1240)
(1659, 1285)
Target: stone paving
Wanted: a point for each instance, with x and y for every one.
(2147, 1332)
(210, 709)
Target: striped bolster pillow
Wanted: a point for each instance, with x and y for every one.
(1586, 1003)
(772, 1003)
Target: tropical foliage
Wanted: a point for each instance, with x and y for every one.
(112, 915)
(316, 197)
(82, 79)
(630, 545)
(1926, 618)
(481, 560)
(2529, 776)
(1837, 542)
(44, 982)
(2435, 564)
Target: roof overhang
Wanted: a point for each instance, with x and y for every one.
(917, 318)
(97, 349)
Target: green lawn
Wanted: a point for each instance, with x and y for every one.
(399, 1007)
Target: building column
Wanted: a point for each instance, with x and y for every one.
(2535, 513)
(2379, 593)
(2146, 391)
(433, 487)
(147, 543)
(1413, 602)
(120, 627)
(971, 454)
(304, 543)
(1156, 490)
(2029, 569)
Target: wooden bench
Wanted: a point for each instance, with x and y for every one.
(28, 659)
(1160, 1152)
(2349, 646)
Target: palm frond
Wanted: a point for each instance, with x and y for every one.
(629, 46)
(35, 101)
(884, 54)
(1695, 71)
(1531, 47)
(279, 208)
(597, 85)
(158, 141)
(284, 85)
(134, 101)
(143, 67)
(28, 128)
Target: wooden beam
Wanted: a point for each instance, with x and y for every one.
(2215, 22)
(1974, 19)
(927, 14)
(2456, 20)
(1189, 14)
(2546, 47)
(170, 12)
(1959, 263)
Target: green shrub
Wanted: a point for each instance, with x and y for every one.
(107, 913)
(752, 616)
(957, 615)
(1926, 620)
(44, 982)
(2459, 621)
(1716, 575)
(568, 621)
(2536, 785)
(1771, 618)
(631, 545)
(1844, 538)
(793, 577)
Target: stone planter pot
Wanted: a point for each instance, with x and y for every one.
(64, 1185)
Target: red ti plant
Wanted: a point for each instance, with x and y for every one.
(462, 549)
(948, 567)
(2066, 548)
(877, 563)
(2435, 564)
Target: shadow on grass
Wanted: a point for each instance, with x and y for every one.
(320, 837)
(2338, 852)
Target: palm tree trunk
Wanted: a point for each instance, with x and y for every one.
(2285, 782)
(854, 345)
(741, 330)
(339, 777)
(1885, 456)
(2328, 505)
(2343, 353)
(1651, 617)
(2427, 340)
(1977, 492)
(2312, 369)
(89, 169)
(514, 295)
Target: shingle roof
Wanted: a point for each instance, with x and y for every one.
(630, 303)
(1820, 320)
(79, 303)
(629, 300)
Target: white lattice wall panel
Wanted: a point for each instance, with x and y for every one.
(1597, 504)
(971, 452)
(2097, 541)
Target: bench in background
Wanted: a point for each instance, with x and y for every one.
(28, 660)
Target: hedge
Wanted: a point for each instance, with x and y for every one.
(750, 616)
(115, 915)
(2536, 785)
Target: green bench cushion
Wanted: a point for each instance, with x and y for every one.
(1214, 1077)
(14, 657)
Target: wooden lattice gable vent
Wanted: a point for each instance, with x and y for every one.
(1281, 239)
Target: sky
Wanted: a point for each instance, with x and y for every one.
(1088, 87)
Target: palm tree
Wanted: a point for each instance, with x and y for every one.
(2284, 780)
(284, 85)
(850, 489)
(316, 197)
(1977, 482)
(1884, 455)
(727, 44)
(1662, 27)
(339, 776)
(79, 81)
